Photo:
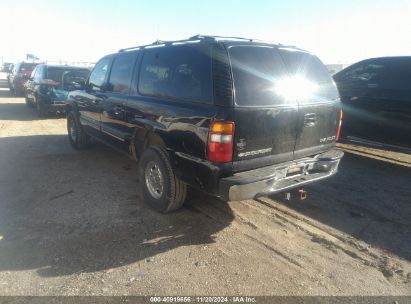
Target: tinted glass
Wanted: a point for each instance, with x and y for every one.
(303, 65)
(399, 77)
(98, 75)
(56, 73)
(182, 72)
(255, 71)
(370, 71)
(120, 74)
(27, 67)
(33, 73)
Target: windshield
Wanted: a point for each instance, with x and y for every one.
(266, 76)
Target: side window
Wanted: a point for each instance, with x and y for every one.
(16, 68)
(120, 75)
(182, 72)
(366, 72)
(98, 75)
(399, 77)
(39, 72)
(34, 72)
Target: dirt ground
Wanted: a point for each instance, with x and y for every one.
(73, 223)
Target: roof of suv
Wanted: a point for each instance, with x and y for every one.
(63, 66)
(211, 39)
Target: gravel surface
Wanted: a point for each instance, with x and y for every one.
(73, 223)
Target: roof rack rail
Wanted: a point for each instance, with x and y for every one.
(212, 37)
(129, 49)
(158, 42)
(198, 37)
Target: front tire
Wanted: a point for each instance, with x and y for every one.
(78, 139)
(161, 188)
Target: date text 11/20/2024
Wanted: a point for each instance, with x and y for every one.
(235, 299)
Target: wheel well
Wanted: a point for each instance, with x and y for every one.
(144, 139)
(153, 139)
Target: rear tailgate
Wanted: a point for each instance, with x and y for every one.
(265, 121)
(319, 106)
(286, 105)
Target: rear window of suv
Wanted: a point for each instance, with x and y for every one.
(255, 70)
(27, 67)
(265, 76)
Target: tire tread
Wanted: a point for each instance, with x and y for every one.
(177, 188)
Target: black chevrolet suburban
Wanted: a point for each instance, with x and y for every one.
(237, 118)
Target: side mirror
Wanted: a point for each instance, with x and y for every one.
(87, 87)
(92, 87)
(73, 85)
(79, 85)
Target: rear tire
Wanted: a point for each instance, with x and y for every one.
(78, 139)
(161, 188)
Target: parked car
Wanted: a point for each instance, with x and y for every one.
(6, 67)
(49, 85)
(10, 70)
(233, 117)
(19, 75)
(376, 96)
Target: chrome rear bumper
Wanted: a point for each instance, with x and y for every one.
(280, 177)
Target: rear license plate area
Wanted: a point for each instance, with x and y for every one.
(294, 171)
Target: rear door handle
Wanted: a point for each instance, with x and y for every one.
(310, 119)
(118, 110)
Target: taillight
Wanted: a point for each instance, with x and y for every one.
(340, 118)
(220, 141)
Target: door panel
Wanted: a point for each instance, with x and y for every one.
(90, 110)
(262, 132)
(318, 102)
(113, 120)
(89, 102)
(113, 124)
(265, 118)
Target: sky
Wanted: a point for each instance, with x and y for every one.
(85, 30)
